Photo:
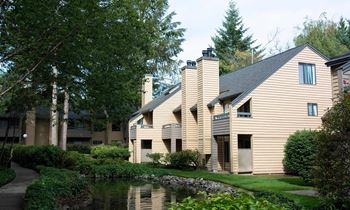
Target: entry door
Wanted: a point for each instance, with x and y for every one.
(244, 153)
(146, 148)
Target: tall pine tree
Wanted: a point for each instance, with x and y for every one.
(232, 46)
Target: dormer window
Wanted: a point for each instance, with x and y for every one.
(307, 74)
(245, 110)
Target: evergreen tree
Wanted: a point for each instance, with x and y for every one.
(232, 46)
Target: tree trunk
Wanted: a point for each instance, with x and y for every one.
(54, 114)
(65, 120)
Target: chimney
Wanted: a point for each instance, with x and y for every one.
(147, 89)
(189, 99)
(208, 89)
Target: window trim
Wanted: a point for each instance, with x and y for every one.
(310, 114)
(301, 77)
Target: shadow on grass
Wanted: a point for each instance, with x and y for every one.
(294, 180)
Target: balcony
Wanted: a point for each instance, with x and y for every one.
(78, 133)
(171, 131)
(244, 114)
(221, 124)
(141, 131)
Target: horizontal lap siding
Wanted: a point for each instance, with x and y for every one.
(279, 108)
(221, 127)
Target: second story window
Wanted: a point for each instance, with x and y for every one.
(307, 74)
(312, 109)
(245, 110)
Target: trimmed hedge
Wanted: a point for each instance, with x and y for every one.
(6, 175)
(300, 153)
(31, 156)
(110, 151)
(54, 188)
(81, 148)
(5, 156)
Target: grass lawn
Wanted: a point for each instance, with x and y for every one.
(6, 175)
(272, 183)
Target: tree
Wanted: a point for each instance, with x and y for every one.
(332, 171)
(327, 36)
(101, 50)
(232, 46)
(343, 32)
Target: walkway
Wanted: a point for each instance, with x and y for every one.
(12, 194)
(312, 193)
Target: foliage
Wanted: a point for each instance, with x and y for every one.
(81, 148)
(5, 155)
(232, 46)
(6, 175)
(299, 154)
(226, 201)
(184, 159)
(31, 156)
(332, 173)
(53, 188)
(113, 169)
(278, 199)
(110, 151)
(76, 161)
(156, 158)
(327, 36)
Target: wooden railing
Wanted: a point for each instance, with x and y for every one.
(244, 114)
(221, 116)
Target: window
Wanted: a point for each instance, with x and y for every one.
(244, 141)
(146, 144)
(226, 151)
(96, 142)
(307, 74)
(226, 107)
(312, 109)
(244, 110)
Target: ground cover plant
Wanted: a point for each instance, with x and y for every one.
(6, 175)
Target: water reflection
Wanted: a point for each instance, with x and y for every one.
(134, 195)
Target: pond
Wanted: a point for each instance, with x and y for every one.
(134, 194)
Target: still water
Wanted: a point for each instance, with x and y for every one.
(134, 194)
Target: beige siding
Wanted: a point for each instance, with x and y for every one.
(208, 89)
(189, 98)
(162, 115)
(279, 108)
(335, 83)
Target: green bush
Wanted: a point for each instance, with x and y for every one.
(109, 151)
(226, 201)
(156, 158)
(184, 159)
(53, 188)
(299, 154)
(332, 171)
(31, 156)
(79, 162)
(81, 148)
(278, 199)
(6, 175)
(114, 169)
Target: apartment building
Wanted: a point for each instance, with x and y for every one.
(239, 121)
(36, 127)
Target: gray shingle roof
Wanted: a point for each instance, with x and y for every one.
(339, 59)
(240, 83)
(157, 101)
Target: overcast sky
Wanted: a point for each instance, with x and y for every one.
(202, 18)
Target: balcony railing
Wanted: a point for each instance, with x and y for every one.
(221, 116)
(138, 128)
(146, 126)
(244, 114)
(170, 131)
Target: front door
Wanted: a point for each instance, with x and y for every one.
(244, 154)
(224, 152)
(146, 148)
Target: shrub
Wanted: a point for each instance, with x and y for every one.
(81, 148)
(225, 201)
(31, 156)
(113, 169)
(109, 151)
(79, 162)
(278, 199)
(156, 158)
(299, 154)
(184, 159)
(6, 175)
(5, 156)
(332, 171)
(53, 188)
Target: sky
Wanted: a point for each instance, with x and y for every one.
(202, 18)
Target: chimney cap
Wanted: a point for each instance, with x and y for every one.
(189, 65)
(208, 55)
